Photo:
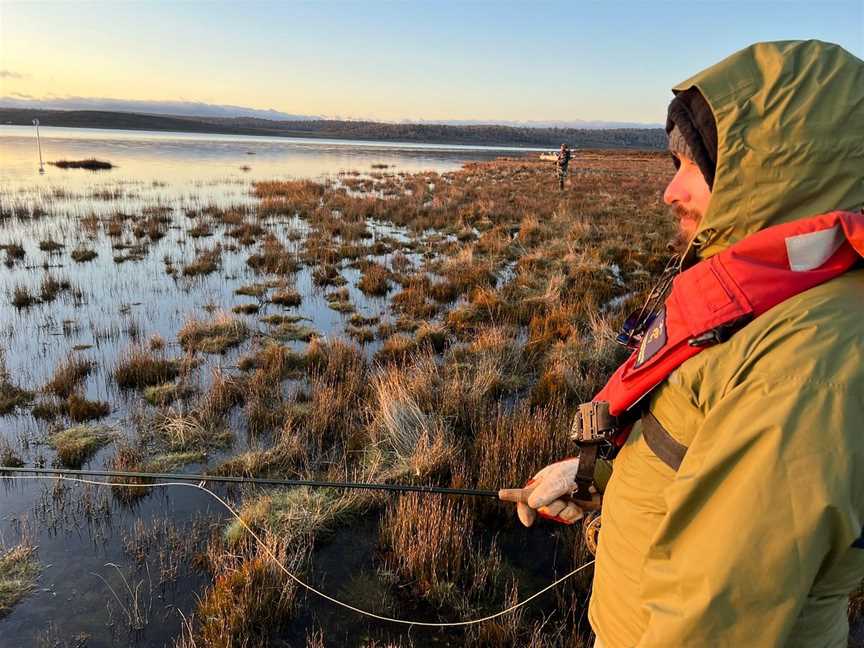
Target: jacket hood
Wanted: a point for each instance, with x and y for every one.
(790, 137)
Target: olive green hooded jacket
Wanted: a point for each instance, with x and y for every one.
(757, 539)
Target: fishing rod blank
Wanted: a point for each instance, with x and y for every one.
(311, 483)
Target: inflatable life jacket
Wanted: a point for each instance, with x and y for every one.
(707, 304)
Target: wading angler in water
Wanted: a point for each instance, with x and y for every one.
(728, 451)
(562, 163)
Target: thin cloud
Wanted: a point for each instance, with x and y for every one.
(9, 74)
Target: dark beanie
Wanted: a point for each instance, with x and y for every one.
(692, 116)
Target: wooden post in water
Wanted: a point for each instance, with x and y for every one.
(39, 145)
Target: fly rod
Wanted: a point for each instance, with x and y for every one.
(312, 483)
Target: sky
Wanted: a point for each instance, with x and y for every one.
(395, 61)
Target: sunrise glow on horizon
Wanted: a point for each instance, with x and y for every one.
(448, 61)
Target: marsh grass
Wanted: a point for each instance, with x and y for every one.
(163, 394)
(214, 336)
(82, 254)
(11, 395)
(128, 458)
(8, 455)
(79, 409)
(286, 297)
(19, 570)
(91, 164)
(206, 261)
(21, 297)
(375, 280)
(138, 367)
(69, 375)
(77, 445)
(497, 301)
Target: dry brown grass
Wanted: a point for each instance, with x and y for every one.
(69, 375)
(138, 367)
(11, 395)
(502, 323)
(206, 261)
(375, 280)
(213, 336)
(79, 409)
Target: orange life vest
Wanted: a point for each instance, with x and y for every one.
(715, 297)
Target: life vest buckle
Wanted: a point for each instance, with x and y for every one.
(593, 423)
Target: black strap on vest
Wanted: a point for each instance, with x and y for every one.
(661, 443)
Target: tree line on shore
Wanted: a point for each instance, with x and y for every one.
(491, 134)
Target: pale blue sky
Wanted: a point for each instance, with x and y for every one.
(398, 60)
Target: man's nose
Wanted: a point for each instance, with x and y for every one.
(676, 191)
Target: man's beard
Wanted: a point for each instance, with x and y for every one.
(687, 220)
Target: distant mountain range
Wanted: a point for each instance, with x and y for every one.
(203, 109)
(513, 134)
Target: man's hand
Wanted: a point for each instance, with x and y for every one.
(548, 493)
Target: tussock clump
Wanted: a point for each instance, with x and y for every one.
(288, 196)
(294, 332)
(188, 431)
(21, 297)
(215, 336)
(11, 396)
(575, 370)
(287, 297)
(362, 334)
(328, 275)
(252, 290)
(52, 287)
(47, 410)
(273, 258)
(432, 335)
(375, 280)
(80, 409)
(412, 300)
(50, 245)
(19, 570)
(14, 252)
(206, 261)
(281, 459)
(397, 348)
(128, 458)
(407, 439)
(491, 365)
(8, 456)
(76, 445)
(82, 254)
(170, 461)
(430, 541)
(69, 375)
(91, 164)
(138, 367)
(340, 301)
(165, 394)
(250, 600)
(298, 514)
(246, 309)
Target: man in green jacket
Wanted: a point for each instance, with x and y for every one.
(756, 538)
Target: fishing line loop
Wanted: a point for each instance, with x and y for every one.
(200, 486)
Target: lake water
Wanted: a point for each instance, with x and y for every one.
(178, 158)
(82, 533)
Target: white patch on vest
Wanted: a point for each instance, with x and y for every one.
(810, 251)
